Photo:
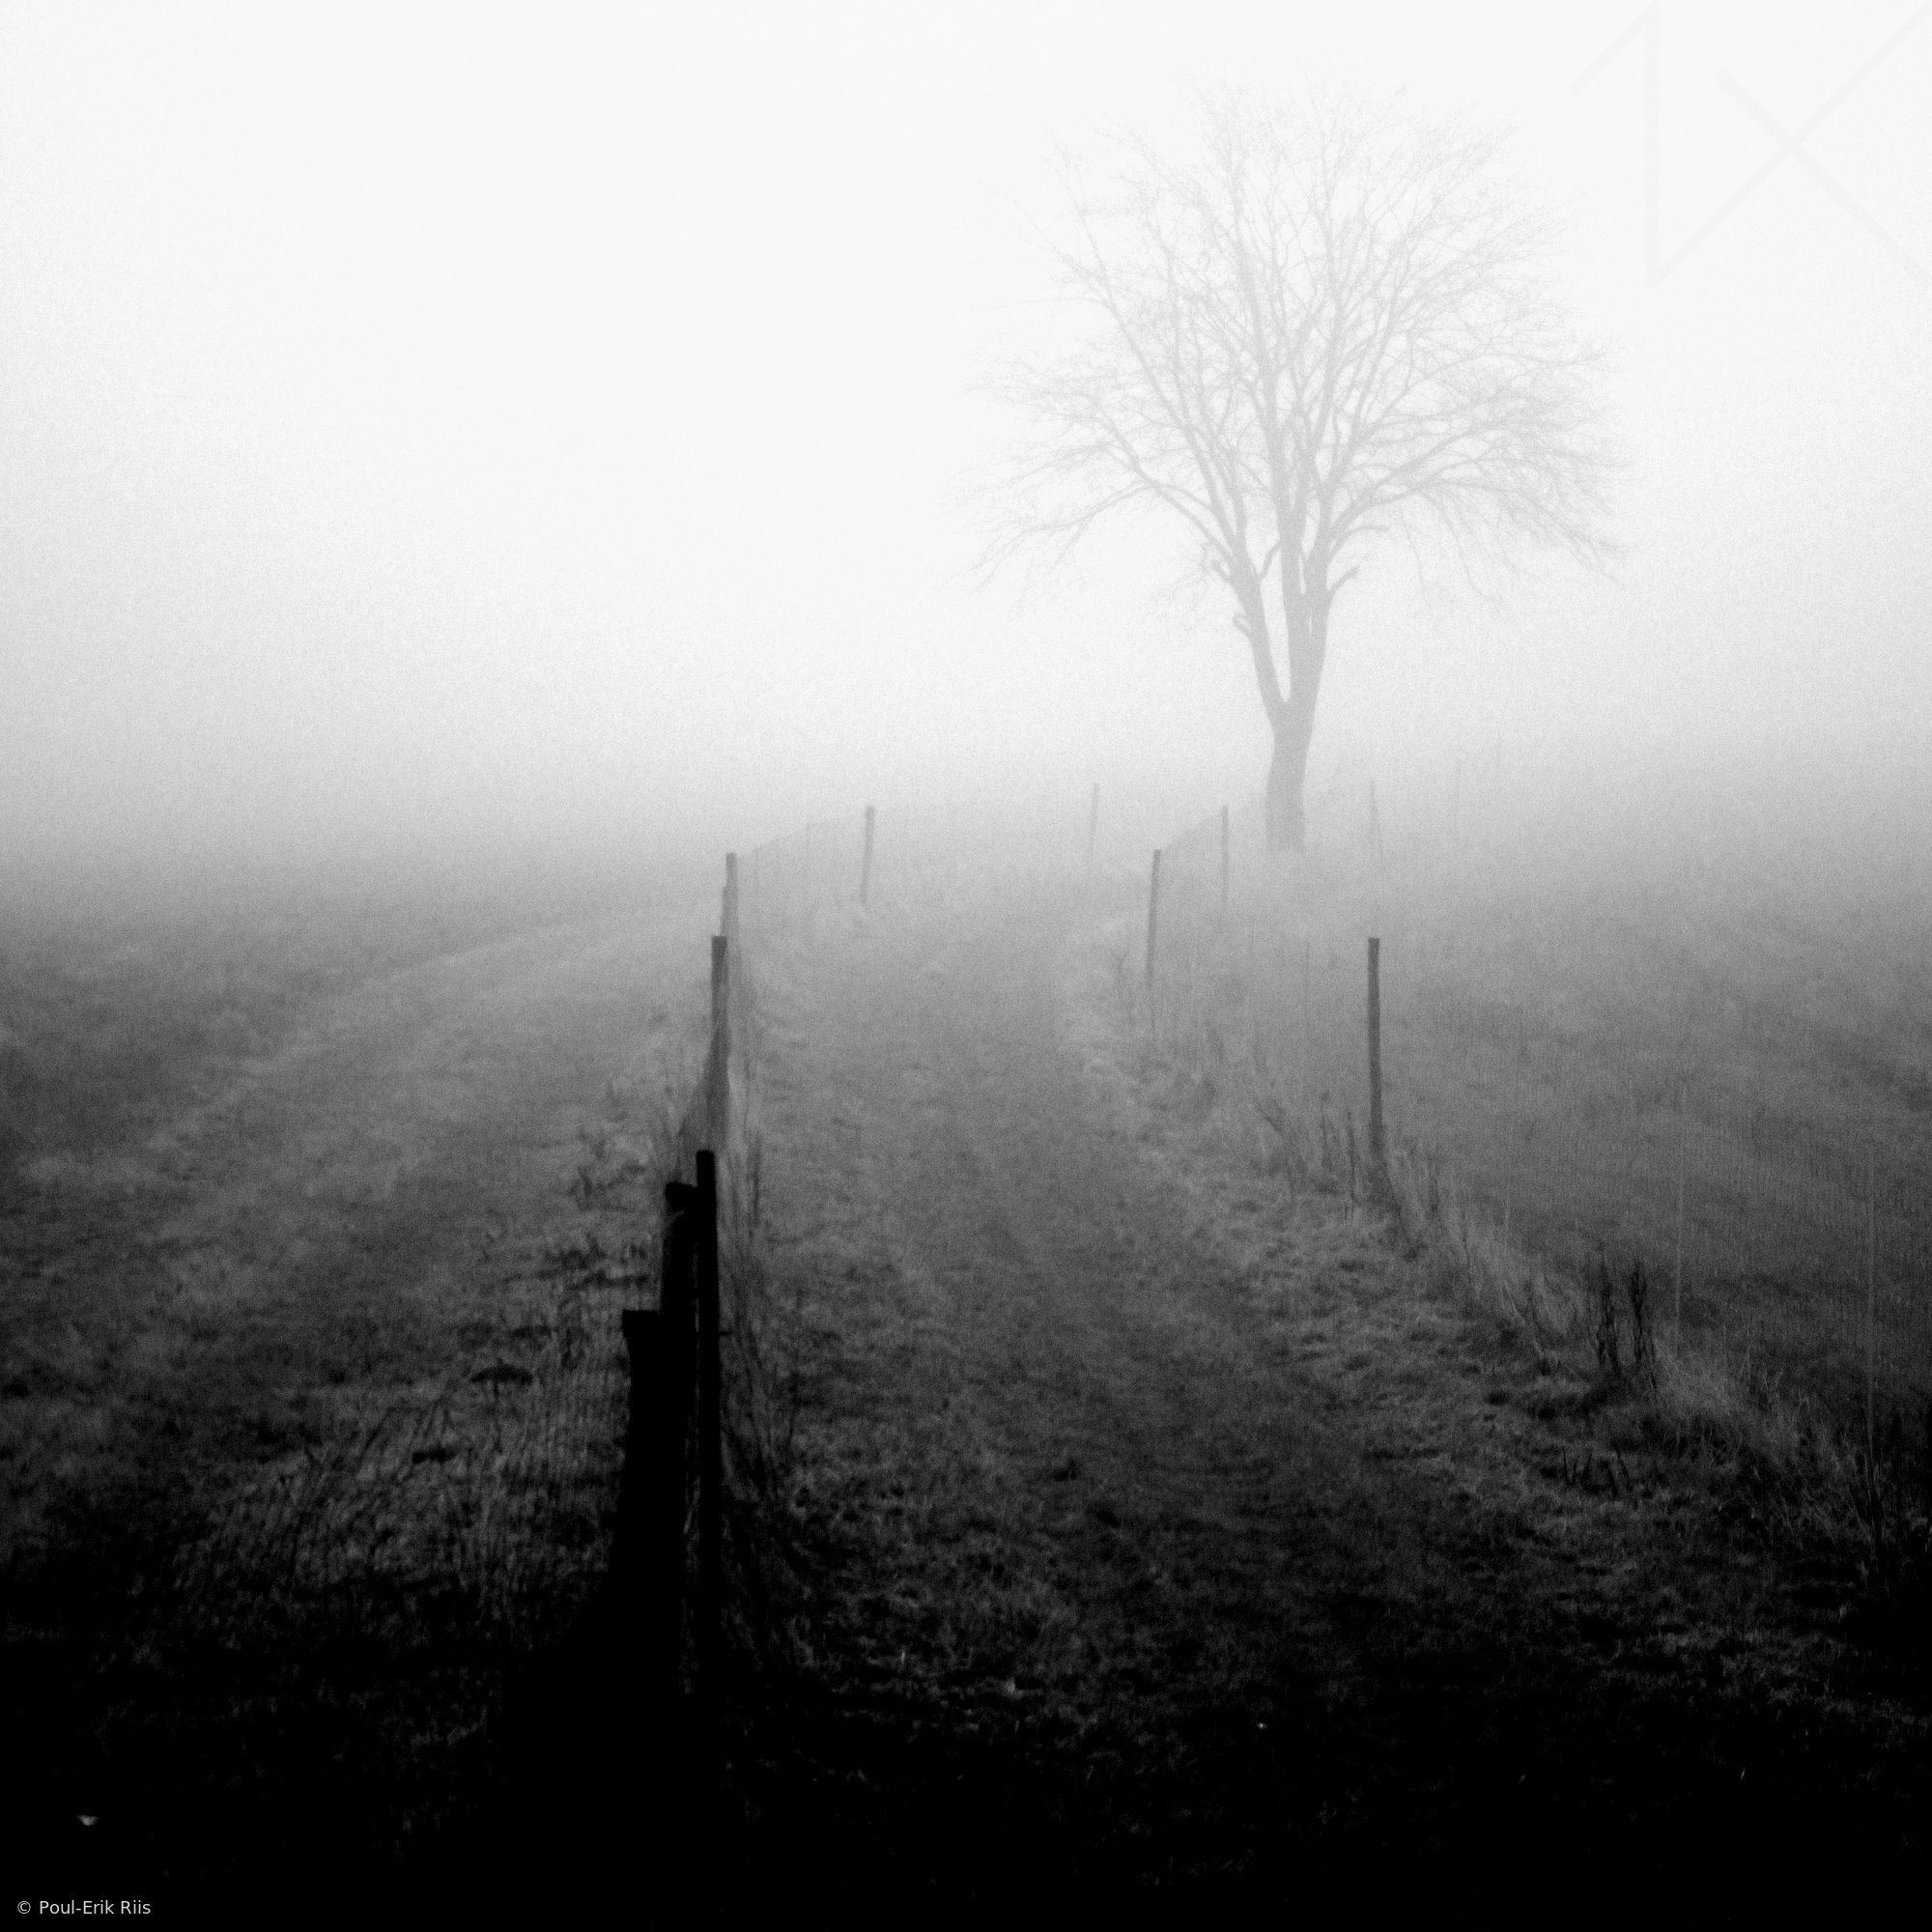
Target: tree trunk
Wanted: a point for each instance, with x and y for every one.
(1288, 776)
(1293, 720)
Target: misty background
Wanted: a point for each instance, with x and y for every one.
(477, 431)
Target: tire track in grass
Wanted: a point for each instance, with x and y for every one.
(348, 1468)
(1174, 1534)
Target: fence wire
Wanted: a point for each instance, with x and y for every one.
(1594, 1113)
(1596, 1101)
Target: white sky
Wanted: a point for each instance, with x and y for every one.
(420, 421)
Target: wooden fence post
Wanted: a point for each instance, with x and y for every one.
(717, 1069)
(710, 1440)
(672, 1432)
(866, 866)
(1378, 1151)
(1093, 824)
(1224, 862)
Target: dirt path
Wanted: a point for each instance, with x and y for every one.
(1176, 1534)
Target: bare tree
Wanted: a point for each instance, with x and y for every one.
(1329, 325)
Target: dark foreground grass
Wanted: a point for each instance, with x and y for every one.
(1117, 1522)
(1171, 1532)
(314, 1654)
(315, 1422)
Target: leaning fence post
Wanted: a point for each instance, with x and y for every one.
(1378, 1152)
(710, 1445)
(737, 982)
(672, 1401)
(866, 866)
(718, 1070)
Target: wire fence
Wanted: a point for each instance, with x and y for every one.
(1594, 1068)
(1603, 1095)
(922, 862)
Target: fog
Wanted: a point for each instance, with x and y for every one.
(467, 430)
(1125, 1301)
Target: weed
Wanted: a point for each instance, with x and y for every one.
(1643, 1351)
(1607, 1339)
(1288, 1156)
(580, 1255)
(1332, 1166)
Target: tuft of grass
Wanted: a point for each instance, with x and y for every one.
(1720, 1391)
(1709, 1398)
(1472, 1258)
(1862, 1512)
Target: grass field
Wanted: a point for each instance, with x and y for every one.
(1084, 1410)
(1712, 1055)
(316, 1219)
(1172, 1523)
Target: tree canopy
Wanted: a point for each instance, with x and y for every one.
(1329, 325)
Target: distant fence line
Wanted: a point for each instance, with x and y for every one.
(1795, 1241)
(673, 1493)
(1761, 1234)
(671, 1501)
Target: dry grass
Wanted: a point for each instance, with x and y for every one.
(302, 1489)
(334, 1628)
(1773, 1406)
(1709, 1067)
(1472, 1257)
(1614, 1044)
(1164, 1510)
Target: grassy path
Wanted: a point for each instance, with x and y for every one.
(184, 1303)
(1175, 1533)
(313, 1437)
